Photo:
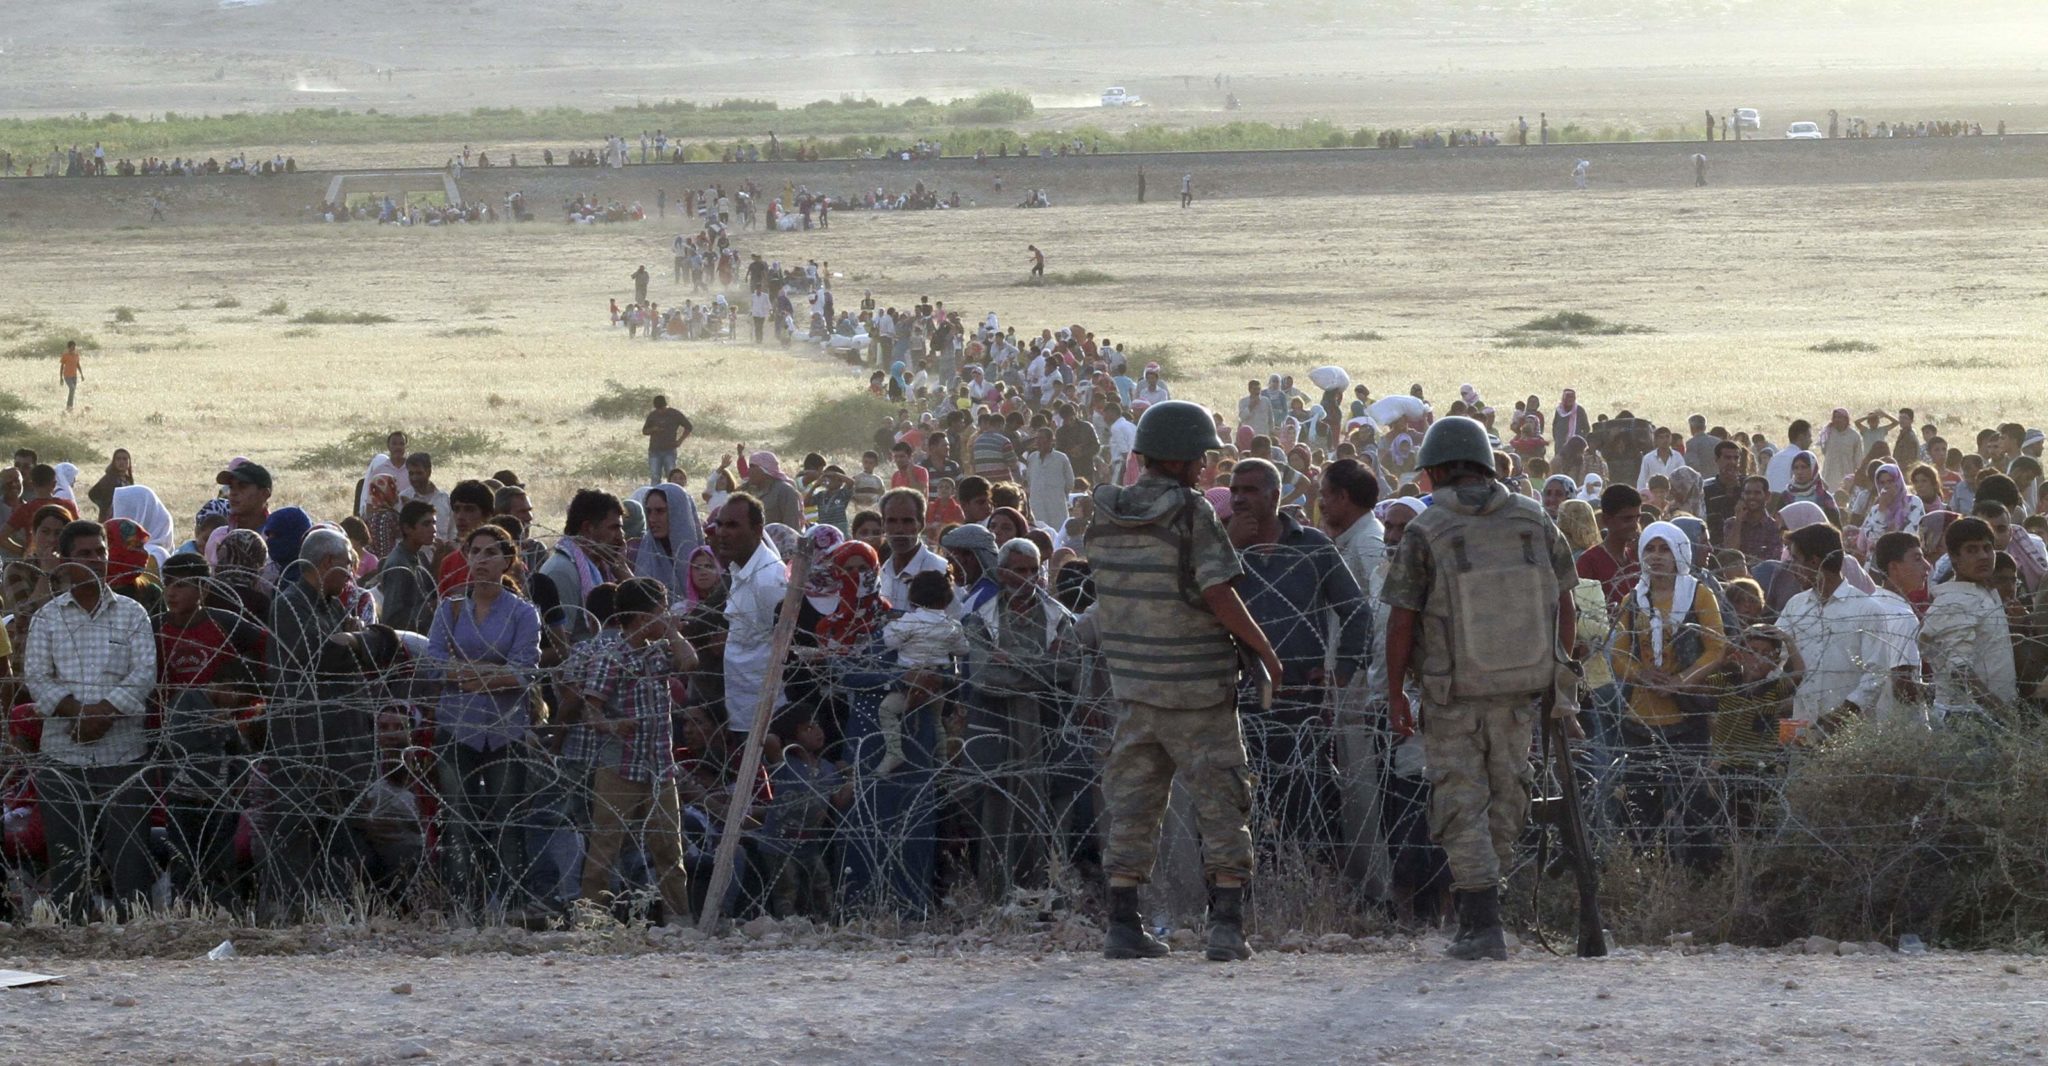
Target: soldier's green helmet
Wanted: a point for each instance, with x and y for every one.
(1176, 431)
(1455, 439)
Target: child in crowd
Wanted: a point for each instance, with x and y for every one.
(944, 508)
(925, 640)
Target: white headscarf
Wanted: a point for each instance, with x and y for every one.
(139, 504)
(685, 532)
(1590, 491)
(1412, 504)
(67, 473)
(1682, 590)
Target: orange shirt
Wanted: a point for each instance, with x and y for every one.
(68, 364)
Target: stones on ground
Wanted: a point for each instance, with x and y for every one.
(402, 988)
(1820, 945)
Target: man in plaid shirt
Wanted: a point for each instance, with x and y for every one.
(625, 693)
(91, 667)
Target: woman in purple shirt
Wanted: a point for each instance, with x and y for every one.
(486, 645)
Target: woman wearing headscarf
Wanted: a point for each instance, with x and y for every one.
(129, 565)
(239, 558)
(283, 532)
(1580, 526)
(212, 515)
(120, 471)
(1893, 508)
(140, 505)
(1557, 488)
(67, 476)
(1668, 641)
(704, 624)
(1688, 492)
(380, 516)
(633, 520)
(1808, 487)
(673, 532)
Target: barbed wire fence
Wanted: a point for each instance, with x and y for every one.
(340, 794)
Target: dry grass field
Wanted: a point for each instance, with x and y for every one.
(502, 329)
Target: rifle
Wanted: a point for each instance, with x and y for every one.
(1563, 811)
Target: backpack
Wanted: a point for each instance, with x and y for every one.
(1494, 606)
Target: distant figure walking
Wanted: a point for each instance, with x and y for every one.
(640, 285)
(1579, 172)
(69, 371)
(1710, 126)
(1141, 185)
(1037, 261)
(1544, 132)
(1699, 170)
(1187, 189)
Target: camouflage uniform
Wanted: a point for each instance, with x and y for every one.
(1477, 748)
(1153, 546)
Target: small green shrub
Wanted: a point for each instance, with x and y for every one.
(1542, 342)
(51, 446)
(1837, 345)
(622, 401)
(1354, 335)
(840, 423)
(49, 344)
(1576, 322)
(469, 331)
(229, 301)
(1072, 277)
(342, 318)
(124, 314)
(277, 307)
(355, 449)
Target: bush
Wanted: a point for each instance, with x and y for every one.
(622, 401)
(1832, 346)
(1075, 277)
(342, 318)
(469, 331)
(1354, 335)
(355, 450)
(49, 344)
(1576, 322)
(839, 424)
(1136, 356)
(51, 446)
(124, 314)
(277, 307)
(1542, 342)
(229, 301)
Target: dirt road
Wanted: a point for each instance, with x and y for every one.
(1396, 1004)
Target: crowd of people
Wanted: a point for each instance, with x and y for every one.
(436, 701)
(81, 162)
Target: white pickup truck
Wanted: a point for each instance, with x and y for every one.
(1117, 96)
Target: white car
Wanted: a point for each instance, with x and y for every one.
(1746, 118)
(1117, 96)
(1804, 131)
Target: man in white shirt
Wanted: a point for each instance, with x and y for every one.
(1779, 472)
(1897, 558)
(418, 484)
(757, 582)
(1254, 411)
(1663, 460)
(1837, 630)
(1152, 390)
(1123, 435)
(90, 667)
(903, 512)
(1048, 478)
(1967, 638)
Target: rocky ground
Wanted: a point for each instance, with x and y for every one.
(791, 994)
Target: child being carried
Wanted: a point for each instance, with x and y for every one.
(925, 640)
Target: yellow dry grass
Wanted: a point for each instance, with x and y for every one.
(1737, 285)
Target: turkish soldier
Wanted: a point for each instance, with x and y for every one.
(1480, 598)
(1170, 624)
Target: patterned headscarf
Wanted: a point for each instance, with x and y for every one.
(384, 492)
(127, 561)
(855, 570)
(238, 557)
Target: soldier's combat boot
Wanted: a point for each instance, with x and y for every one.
(1486, 940)
(1226, 925)
(1127, 937)
(1461, 902)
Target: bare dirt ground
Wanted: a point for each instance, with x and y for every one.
(958, 1003)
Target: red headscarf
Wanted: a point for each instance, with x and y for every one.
(126, 560)
(857, 570)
